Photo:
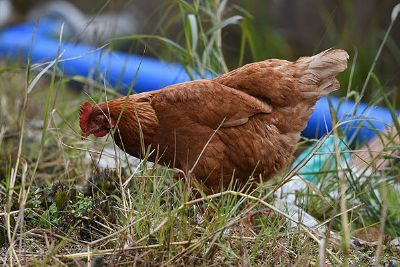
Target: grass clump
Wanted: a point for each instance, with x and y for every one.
(62, 205)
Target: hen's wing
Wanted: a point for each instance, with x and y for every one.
(189, 113)
(206, 103)
(267, 80)
(292, 88)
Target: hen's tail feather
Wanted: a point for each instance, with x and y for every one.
(320, 70)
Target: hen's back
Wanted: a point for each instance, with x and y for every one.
(292, 89)
(285, 83)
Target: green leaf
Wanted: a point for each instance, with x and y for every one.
(395, 12)
(42, 72)
(156, 37)
(61, 199)
(393, 197)
(229, 21)
(193, 30)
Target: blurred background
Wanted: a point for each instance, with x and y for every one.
(208, 36)
(278, 29)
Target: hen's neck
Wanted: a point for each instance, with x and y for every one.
(136, 126)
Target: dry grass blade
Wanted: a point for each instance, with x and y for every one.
(71, 201)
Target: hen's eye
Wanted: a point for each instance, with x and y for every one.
(98, 119)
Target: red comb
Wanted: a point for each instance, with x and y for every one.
(84, 113)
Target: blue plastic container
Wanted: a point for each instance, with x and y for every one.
(359, 124)
(119, 70)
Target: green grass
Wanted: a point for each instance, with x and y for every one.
(59, 208)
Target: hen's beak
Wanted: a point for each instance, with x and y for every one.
(84, 135)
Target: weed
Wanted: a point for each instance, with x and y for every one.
(60, 206)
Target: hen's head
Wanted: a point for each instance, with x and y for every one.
(94, 120)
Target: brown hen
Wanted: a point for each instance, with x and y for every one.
(243, 124)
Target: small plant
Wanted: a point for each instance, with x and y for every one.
(49, 217)
(59, 206)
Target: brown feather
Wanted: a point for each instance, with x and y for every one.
(257, 112)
